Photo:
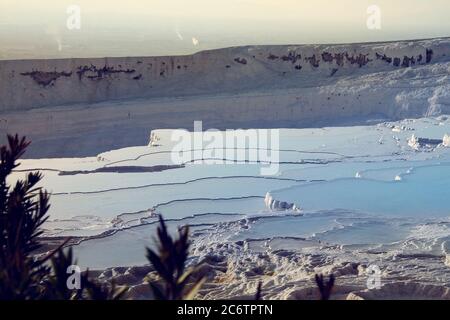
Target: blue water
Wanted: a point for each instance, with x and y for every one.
(423, 193)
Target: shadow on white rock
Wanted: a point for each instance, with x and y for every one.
(403, 291)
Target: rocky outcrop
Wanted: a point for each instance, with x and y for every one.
(426, 143)
(276, 205)
(446, 141)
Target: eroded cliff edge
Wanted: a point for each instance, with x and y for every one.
(26, 84)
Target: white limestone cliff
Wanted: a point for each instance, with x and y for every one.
(374, 77)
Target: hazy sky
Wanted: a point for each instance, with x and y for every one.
(149, 27)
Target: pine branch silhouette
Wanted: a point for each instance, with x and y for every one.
(325, 288)
(23, 211)
(169, 262)
(258, 295)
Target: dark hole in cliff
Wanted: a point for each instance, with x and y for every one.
(429, 55)
(291, 57)
(95, 73)
(240, 60)
(384, 57)
(313, 61)
(46, 78)
(407, 61)
(360, 60)
(327, 57)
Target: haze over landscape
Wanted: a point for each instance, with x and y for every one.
(37, 29)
